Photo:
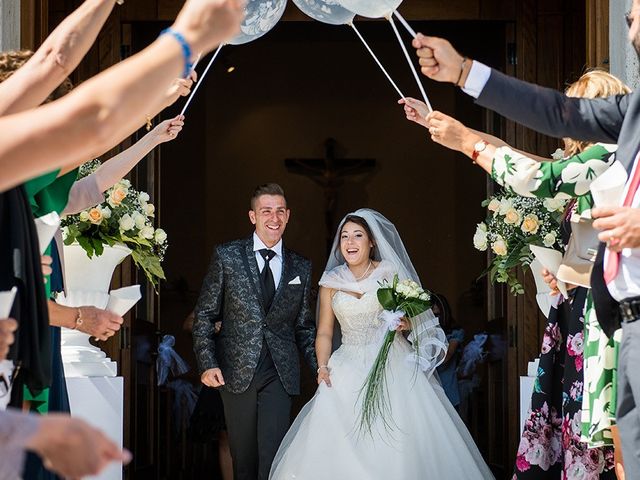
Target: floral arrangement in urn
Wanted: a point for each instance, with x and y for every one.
(514, 223)
(125, 217)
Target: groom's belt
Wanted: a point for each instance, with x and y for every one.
(630, 309)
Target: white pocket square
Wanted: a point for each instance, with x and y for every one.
(295, 281)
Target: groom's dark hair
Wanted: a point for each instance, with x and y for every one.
(267, 189)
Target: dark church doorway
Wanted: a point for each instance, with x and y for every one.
(279, 98)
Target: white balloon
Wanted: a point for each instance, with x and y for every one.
(371, 8)
(260, 17)
(326, 11)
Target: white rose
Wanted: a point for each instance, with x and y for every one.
(480, 237)
(553, 204)
(126, 222)
(84, 216)
(530, 224)
(505, 204)
(150, 209)
(549, 239)
(499, 247)
(146, 232)
(143, 197)
(160, 236)
(494, 205)
(139, 220)
(106, 212)
(125, 183)
(512, 217)
(424, 296)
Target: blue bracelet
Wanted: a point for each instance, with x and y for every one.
(186, 49)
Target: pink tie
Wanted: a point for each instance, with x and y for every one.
(613, 259)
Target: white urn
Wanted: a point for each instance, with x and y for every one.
(87, 282)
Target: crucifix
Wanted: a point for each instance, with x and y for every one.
(329, 172)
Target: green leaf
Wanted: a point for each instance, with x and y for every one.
(387, 299)
(87, 245)
(98, 246)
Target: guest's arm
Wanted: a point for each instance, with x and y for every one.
(417, 111)
(56, 58)
(88, 191)
(305, 327)
(104, 110)
(207, 312)
(324, 336)
(542, 109)
(522, 173)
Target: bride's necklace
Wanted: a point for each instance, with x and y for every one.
(365, 272)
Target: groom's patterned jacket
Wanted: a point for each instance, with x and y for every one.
(231, 293)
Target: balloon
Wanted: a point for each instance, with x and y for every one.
(326, 11)
(260, 17)
(371, 8)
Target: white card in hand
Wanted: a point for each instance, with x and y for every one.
(123, 299)
(607, 189)
(46, 226)
(6, 302)
(551, 260)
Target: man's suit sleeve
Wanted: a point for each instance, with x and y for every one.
(207, 312)
(553, 113)
(306, 325)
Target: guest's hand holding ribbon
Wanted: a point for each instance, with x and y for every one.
(415, 110)
(619, 226)
(440, 61)
(167, 130)
(181, 87)
(98, 323)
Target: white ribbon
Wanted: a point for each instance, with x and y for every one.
(430, 342)
(391, 320)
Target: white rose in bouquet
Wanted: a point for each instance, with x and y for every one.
(549, 239)
(480, 237)
(499, 247)
(139, 219)
(126, 222)
(160, 236)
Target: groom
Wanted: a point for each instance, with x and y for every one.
(259, 290)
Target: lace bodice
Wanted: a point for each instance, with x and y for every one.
(358, 317)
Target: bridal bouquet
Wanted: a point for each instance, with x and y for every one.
(514, 223)
(124, 217)
(405, 299)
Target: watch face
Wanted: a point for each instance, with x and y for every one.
(480, 146)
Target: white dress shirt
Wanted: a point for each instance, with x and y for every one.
(275, 263)
(626, 284)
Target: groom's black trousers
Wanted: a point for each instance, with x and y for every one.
(257, 419)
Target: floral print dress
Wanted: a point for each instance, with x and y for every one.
(558, 431)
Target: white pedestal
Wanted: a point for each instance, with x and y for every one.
(100, 402)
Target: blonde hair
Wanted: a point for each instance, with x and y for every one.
(11, 61)
(593, 84)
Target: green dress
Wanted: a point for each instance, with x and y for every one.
(571, 178)
(47, 193)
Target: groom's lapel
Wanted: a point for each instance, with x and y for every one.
(253, 273)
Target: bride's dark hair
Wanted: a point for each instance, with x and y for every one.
(363, 223)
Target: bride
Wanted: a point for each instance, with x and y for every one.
(423, 437)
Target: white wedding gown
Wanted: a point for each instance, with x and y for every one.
(426, 439)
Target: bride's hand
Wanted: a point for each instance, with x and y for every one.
(324, 376)
(415, 110)
(405, 325)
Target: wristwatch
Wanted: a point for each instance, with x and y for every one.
(477, 149)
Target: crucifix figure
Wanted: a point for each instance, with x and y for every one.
(328, 172)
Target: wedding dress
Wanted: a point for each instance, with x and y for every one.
(424, 439)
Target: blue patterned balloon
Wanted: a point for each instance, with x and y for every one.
(326, 11)
(260, 17)
(371, 8)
